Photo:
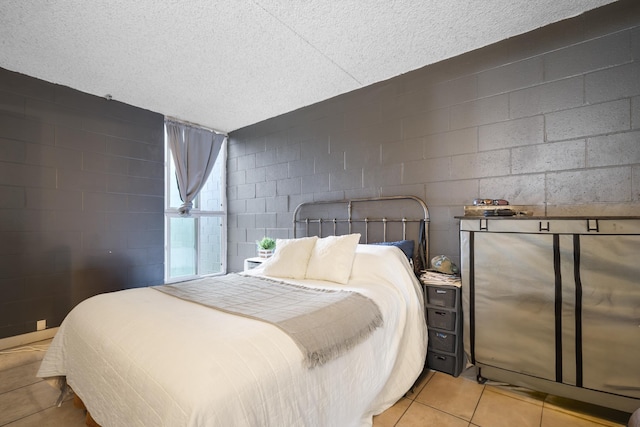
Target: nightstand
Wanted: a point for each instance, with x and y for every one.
(254, 262)
(445, 351)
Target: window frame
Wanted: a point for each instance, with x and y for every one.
(196, 214)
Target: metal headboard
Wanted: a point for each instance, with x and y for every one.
(388, 210)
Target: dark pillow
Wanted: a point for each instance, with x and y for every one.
(405, 245)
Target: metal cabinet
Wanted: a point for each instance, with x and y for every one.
(553, 304)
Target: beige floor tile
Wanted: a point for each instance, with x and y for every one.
(390, 417)
(20, 376)
(456, 396)
(521, 393)
(13, 357)
(499, 410)
(419, 415)
(26, 400)
(66, 415)
(553, 418)
(594, 413)
(422, 381)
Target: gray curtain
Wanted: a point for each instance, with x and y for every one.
(194, 152)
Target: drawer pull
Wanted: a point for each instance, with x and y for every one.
(441, 358)
(592, 225)
(440, 291)
(441, 335)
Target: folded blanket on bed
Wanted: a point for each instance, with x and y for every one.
(324, 323)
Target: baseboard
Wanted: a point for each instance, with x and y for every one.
(27, 338)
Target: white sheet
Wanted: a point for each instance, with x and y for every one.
(142, 358)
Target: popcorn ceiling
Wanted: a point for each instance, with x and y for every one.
(229, 64)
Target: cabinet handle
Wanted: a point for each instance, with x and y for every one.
(592, 225)
(440, 291)
(441, 358)
(441, 335)
(441, 313)
(484, 225)
(545, 228)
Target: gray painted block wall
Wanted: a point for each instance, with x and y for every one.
(549, 119)
(81, 200)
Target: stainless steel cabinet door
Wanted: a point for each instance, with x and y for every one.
(610, 279)
(514, 286)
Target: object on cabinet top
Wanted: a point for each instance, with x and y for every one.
(505, 210)
(499, 212)
(490, 202)
(435, 278)
(443, 264)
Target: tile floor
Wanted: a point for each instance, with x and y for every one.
(438, 400)
(27, 401)
(441, 400)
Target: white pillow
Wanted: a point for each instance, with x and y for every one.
(290, 258)
(332, 257)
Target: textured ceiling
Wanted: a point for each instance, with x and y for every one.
(229, 64)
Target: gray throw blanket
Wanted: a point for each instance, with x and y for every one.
(324, 323)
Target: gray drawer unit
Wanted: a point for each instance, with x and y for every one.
(441, 296)
(441, 318)
(443, 362)
(442, 341)
(445, 352)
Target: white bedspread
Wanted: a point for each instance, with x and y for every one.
(142, 358)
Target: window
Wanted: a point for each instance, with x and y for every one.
(196, 245)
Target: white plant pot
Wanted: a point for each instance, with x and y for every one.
(265, 253)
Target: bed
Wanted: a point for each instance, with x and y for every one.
(151, 356)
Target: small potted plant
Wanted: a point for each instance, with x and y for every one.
(266, 247)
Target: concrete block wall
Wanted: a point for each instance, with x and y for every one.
(81, 200)
(549, 119)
